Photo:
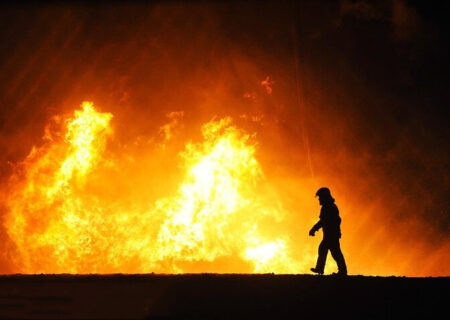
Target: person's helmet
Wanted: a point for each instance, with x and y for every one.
(323, 193)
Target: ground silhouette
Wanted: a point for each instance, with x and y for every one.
(212, 296)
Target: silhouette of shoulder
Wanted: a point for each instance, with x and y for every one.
(330, 220)
(329, 210)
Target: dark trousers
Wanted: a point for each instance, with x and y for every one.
(332, 244)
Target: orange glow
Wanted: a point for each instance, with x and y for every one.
(59, 225)
(210, 131)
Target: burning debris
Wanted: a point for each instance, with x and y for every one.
(167, 129)
(267, 83)
(250, 96)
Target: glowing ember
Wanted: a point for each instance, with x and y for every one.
(60, 221)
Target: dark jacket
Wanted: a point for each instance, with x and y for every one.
(330, 222)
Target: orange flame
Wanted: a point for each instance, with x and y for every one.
(60, 223)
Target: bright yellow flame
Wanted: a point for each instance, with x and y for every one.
(85, 136)
(264, 253)
(60, 224)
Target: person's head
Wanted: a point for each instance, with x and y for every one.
(324, 195)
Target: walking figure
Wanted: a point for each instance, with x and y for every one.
(330, 222)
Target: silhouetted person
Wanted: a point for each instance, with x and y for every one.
(330, 222)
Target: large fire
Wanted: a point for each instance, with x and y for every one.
(212, 129)
(62, 219)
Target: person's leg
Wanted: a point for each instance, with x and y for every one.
(337, 255)
(322, 258)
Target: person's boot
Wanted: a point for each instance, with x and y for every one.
(315, 270)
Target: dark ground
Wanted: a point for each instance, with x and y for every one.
(211, 296)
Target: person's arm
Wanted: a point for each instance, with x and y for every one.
(315, 228)
(318, 225)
